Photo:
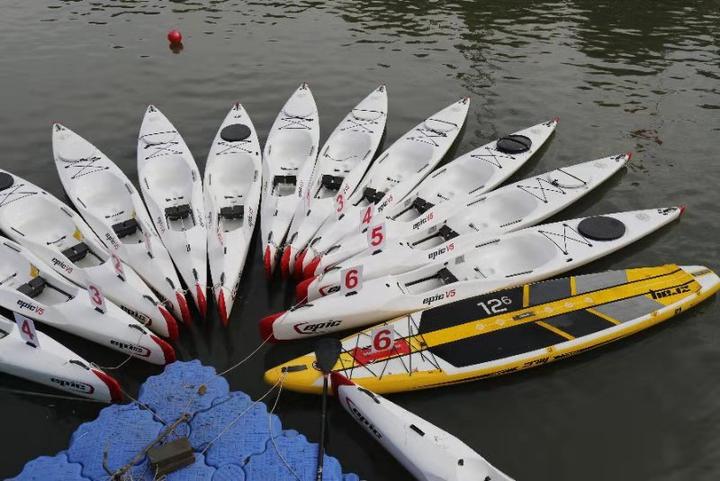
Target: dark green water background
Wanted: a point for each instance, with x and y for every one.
(633, 75)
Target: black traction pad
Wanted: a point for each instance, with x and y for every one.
(601, 228)
(235, 133)
(6, 181)
(513, 144)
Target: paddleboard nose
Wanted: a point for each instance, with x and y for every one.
(222, 308)
(167, 349)
(184, 308)
(298, 375)
(309, 270)
(298, 266)
(301, 290)
(266, 326)
(285, 262)
(113, 386)
(172, 326)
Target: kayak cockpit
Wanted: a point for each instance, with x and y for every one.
(230, 187)
(171, 182)
(52, 226)
(108, 199)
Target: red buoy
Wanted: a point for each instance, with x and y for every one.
(174, 36)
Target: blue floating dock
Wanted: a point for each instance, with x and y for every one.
(252, 448)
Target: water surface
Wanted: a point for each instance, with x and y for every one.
(622, 76)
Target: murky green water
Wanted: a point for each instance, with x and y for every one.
(641, 76)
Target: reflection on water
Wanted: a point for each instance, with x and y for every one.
(640, 76)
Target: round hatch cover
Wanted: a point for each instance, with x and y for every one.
(235, 133)
(6, 180)
(514, 144)
(601, 228)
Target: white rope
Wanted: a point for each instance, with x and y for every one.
(234, 421)
(272, 438)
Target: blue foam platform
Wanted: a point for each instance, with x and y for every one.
(252, 448)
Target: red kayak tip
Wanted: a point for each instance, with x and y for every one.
(285, 262)
(113, 386)
(201, 300)
(682, 209)
(629, 156)
(266, 326)
(173, 331)
(168, 350)
(337, 380)
(184, 308)
(301, 290)
(298, 264)
(268, 262)
(222, 309)
(309, 270)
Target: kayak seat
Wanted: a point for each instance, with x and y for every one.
(76, 252)
(6, 181)
(33, 287)
(446, 276)
(373, 196)
(284, 179)
(513, 144)
(421, 205)
(235, 133)
(126, 228)
(447, 233)
(284, 184)
(178, 212)
(233, 212)
(331, 182)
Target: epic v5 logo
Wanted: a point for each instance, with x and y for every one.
(58, 263)
(448, 248)
(30, 307)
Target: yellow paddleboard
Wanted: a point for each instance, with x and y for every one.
(508, 330)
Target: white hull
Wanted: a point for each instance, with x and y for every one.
(57, 235)
(444, 191)
(289, 158)
(105, 197)
(510, 208)
(508, 260)
(172, 189)
(342, 162)
(232, 195)
(428, 452)
(54, 365)
(34, 290)
(393, 175)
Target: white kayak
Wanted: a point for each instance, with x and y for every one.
(52, 231)
(172, 189)
(289, 158)
(232, 195)
(112, 207)
(341, 164)
(392, 176)
(428, 452)
(447, 189)
(510, 208)
(50, 363)
(30, 287)
(508, 260)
